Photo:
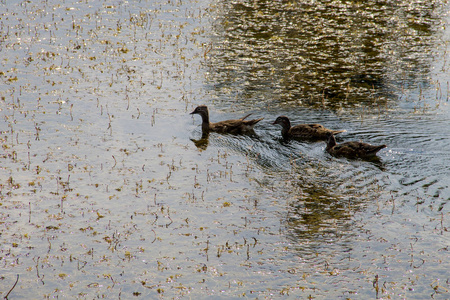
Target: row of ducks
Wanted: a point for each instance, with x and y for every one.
(351, 149)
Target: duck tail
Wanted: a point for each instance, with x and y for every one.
(339, 131)
(245, 117)
(253, 122)
(377, 148)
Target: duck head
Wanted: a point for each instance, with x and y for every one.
(283, 121)
(331, 141)
(201, 110)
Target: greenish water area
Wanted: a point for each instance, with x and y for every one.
(108, 189)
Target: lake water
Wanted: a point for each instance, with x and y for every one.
(108, 189)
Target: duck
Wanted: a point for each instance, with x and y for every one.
(238, 126)
(303, 131)
(351, 149)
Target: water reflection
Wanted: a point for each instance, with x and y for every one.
(317, 216)
(324, 197)
(203, 142)
(320, 53)
(281, 56)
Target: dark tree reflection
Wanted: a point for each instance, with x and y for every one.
(321, 53)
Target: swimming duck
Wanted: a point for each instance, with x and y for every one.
(303, 131)
(229, 126)
(351, 149)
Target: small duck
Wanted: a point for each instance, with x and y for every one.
(303, 131)
(229, 126)
(351, 149)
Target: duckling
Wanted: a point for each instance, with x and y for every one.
(303, 131)
(351, 149)
(229, 126)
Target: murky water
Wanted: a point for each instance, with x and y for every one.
(108, 189)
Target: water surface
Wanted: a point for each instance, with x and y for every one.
(108, 189)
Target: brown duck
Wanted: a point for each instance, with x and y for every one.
(229, 126)
(351, 149)
(303, 131)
